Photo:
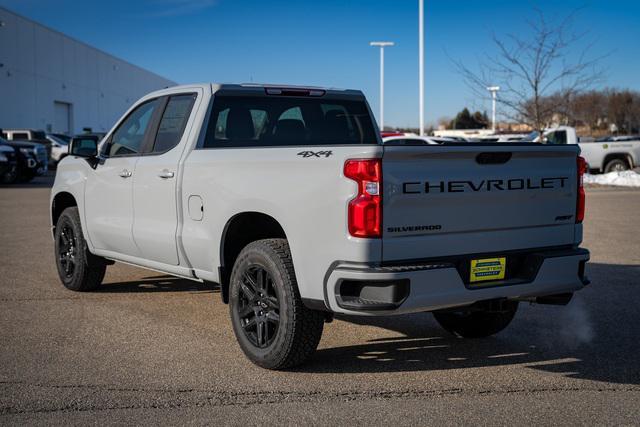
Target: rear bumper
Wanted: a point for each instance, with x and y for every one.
(434, 285)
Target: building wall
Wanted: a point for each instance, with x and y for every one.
(43, 73)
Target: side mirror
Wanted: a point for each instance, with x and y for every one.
(84, 146)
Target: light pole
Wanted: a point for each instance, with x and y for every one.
(382, 45)
(494, 91)
(421, 62)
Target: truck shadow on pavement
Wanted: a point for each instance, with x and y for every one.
(596, 337)
(161, 283)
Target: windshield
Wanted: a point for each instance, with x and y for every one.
(58, 139)
(531, 136)
(62, 137)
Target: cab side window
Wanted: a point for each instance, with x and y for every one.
(128, 138)
(557, 137)
(173, 122)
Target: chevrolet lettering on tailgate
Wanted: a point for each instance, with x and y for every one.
(514, 184)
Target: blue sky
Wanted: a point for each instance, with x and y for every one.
(326, 42)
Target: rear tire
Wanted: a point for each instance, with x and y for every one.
(478, 322)
(616, 165)
(273, 327)
(78, 269)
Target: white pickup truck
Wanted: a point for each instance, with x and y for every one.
(287, 198)
(610, 156)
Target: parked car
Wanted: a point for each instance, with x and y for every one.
(286, 197)
(59, 147)
(410, 139)
(8, 163)
(26, 157)
(66, 138)
(387, 134)
(31, 135)
(601, 156)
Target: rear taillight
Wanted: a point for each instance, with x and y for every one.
(365, 210)
(582, 168)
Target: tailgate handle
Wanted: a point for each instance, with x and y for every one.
(493, 158)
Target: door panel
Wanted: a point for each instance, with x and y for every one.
(154, 186)
(109, 205)
(156, 218)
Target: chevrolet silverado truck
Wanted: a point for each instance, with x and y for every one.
(288, 200)
(601, 156)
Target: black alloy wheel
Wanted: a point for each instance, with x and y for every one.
(78, 268)
(67, 250)
(259, 306)
(274, 328)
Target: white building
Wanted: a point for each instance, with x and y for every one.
(52, 82)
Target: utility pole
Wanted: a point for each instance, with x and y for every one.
(494, 91)
(421, 61)
(381, 45)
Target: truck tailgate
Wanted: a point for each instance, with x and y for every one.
(477, 198)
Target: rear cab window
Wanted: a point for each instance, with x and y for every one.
(38, 135)
(250, 120)
(557, 137)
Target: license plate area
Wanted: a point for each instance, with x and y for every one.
(487, 270)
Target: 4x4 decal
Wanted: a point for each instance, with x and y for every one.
(306, 154)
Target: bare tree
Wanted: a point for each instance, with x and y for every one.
(590, 109)
(531, 66)
(443, 122)
(624, 109)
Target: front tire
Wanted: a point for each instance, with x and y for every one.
(273, 327)
(78, 269)
(10, 176)
(478, 321)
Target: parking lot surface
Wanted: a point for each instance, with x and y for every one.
(148, 348)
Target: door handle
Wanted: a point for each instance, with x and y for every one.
(165, 174)
(125, 174)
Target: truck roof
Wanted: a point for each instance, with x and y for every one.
(293, 89)
(260, 88)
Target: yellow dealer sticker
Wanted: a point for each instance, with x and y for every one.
(487, 269)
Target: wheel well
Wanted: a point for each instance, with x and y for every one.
(61, 202)
(621, 156)
(241, 230)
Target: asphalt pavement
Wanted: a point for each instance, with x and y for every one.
(151, 349)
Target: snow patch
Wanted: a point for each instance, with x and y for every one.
(623, 179)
